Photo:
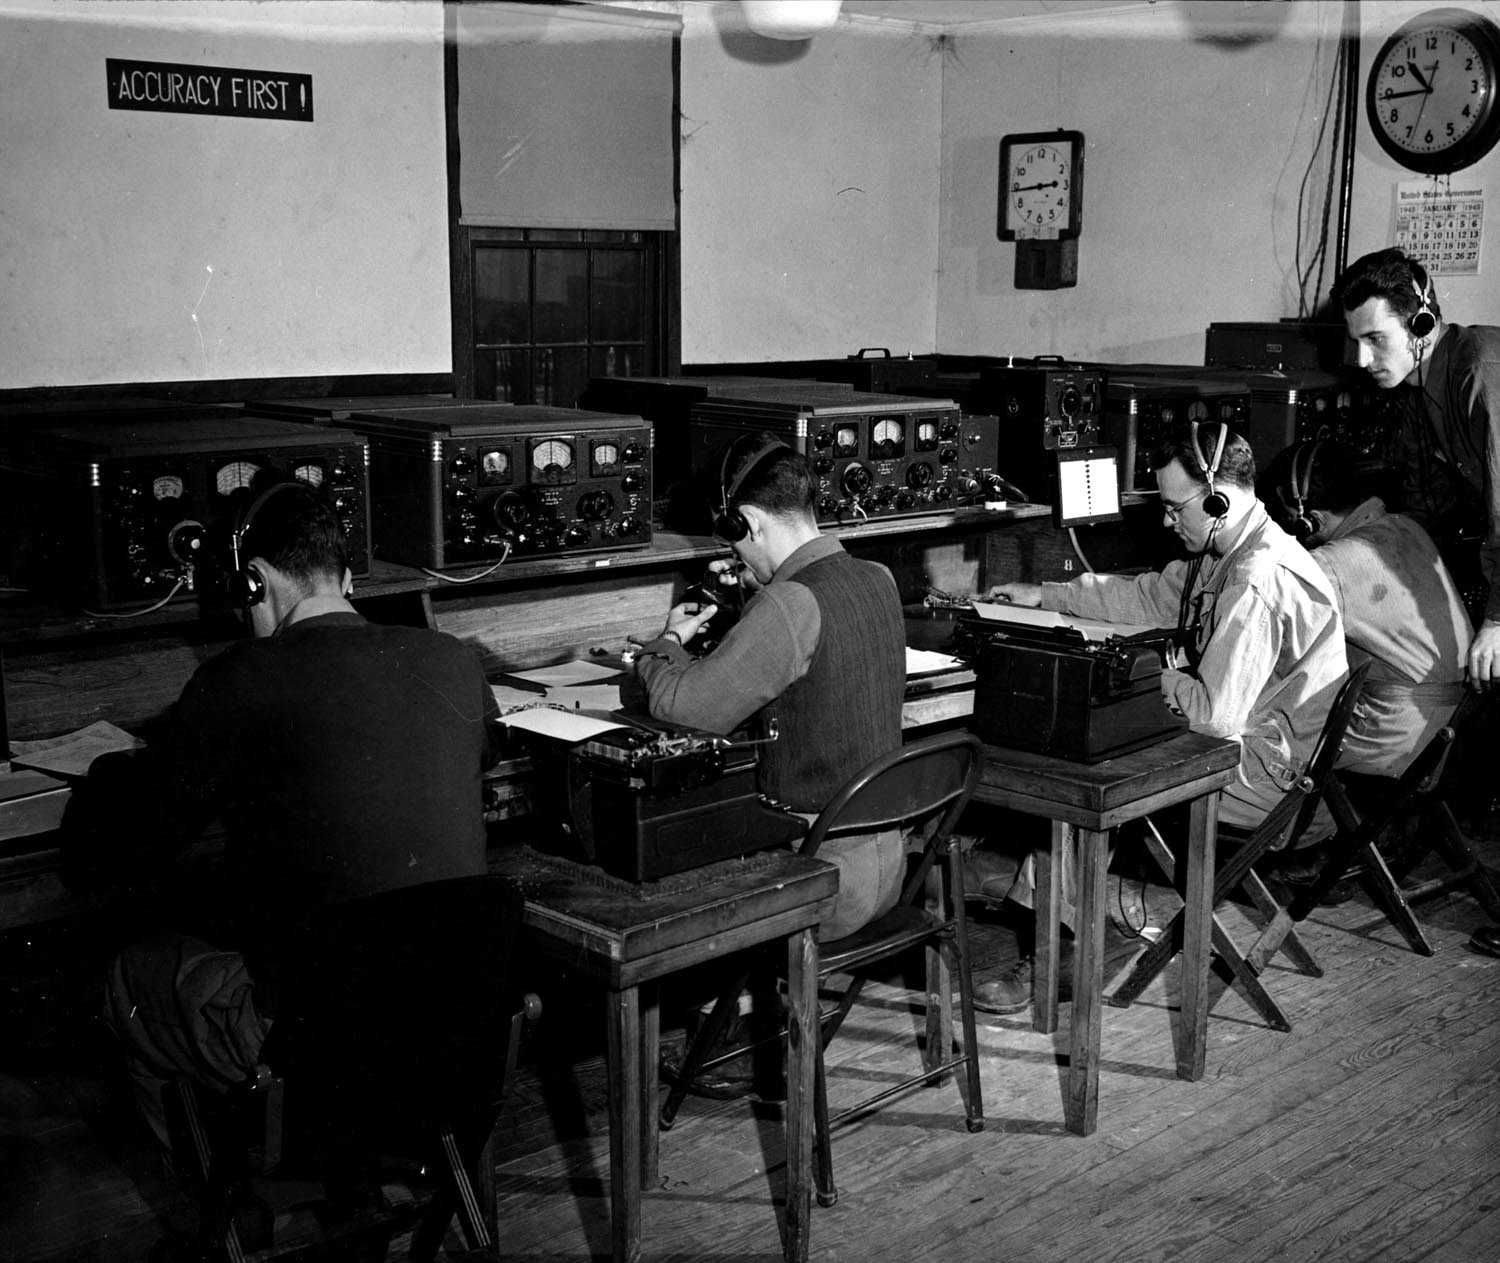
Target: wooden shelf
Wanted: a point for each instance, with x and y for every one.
(37, 622)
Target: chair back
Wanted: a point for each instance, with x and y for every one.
(1426, 771)
(399, 1004)
(902, 788)
(1308, 791)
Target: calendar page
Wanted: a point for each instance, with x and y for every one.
(1440, 224)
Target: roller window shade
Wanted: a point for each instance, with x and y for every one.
(565, 117)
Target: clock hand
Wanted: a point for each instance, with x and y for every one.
(1388, 95)
(1417, 75)
(1026, 188)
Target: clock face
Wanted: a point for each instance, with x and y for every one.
(1431, 93)
(1040, 185)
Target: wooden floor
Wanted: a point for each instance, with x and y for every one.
(1370, 1132)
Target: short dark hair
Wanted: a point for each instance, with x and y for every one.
(1332, 472)
(1389, 274)
(768, 473)
(297, 530)
(1236, 465)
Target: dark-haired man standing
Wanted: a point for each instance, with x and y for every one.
(820, 650)
(1448, 379)
(342, 757)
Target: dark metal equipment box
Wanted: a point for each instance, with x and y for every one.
(468, 486)
(145, 504)
(875, 455)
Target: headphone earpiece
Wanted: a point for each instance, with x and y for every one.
(1304, 525)
(1422, 321)
(1215, 503)
(245, 583)
(729, 523)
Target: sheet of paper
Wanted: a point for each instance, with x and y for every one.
(1089, 629)
(580, 671)
(71, 753)
(927, 661)
(507, 696)
(565, 725)
(586, 697)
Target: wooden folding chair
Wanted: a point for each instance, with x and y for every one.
(1287, 820)
(1418, 790)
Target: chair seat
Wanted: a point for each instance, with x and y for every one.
(902, 927)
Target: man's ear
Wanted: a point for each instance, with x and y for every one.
(755, 517)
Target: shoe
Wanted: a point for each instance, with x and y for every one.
(1486, 940)
(729, 1082)
(988, 876)
(1011, 991)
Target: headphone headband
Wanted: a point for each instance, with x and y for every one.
(730, 524)
(246, 583)
(1303, 455)
(1215, 503)
(1422, 321)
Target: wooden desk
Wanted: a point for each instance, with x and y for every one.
(1093, 799)
(628, 943)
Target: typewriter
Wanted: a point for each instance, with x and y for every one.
(645, 800)
(1067, 687)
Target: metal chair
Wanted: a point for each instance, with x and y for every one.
(1417, 791)
(1284, 824)
(926, 783)
(396, 1034)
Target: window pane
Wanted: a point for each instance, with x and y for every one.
(502, 375)
(618, 359)
(561, 295)
(561, 375)
(617, 295)
(502, 296)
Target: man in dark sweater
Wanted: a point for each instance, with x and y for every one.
(343, 759)
(820, 650)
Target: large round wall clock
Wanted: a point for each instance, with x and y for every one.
(1431, 94)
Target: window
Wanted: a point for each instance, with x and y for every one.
(549, 309)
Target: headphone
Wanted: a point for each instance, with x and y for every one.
(1304, 524)
(1215, 503)
(1422, 321)
(729, 523)
(246, 584)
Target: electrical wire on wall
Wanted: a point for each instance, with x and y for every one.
(1312, 254)
(1078, 550)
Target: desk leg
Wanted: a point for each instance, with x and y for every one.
(802, 1033)
(1046, 901)
(1082, 1110)
(625, 1142)
(650, 1086)
(1197, 934)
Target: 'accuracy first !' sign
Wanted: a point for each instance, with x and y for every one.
(179, 89)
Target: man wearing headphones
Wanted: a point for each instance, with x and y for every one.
(820, 650)
(1400, 606)
(343, 759)
(1448, 376)
(1262, 654)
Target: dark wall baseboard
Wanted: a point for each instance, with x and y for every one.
(230, 390)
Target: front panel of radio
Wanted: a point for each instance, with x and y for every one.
(465, 487)
(1043, 408)
(144, 512)
(1142, 412)
(875, 456)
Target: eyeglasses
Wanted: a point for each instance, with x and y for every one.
(1174, 508)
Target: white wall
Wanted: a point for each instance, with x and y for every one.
(809, 190)
(1196, 141)
(157, 247)
(1465, 299)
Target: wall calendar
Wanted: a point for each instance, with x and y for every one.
(1441, 225)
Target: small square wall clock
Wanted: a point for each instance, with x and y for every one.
(1040, 205)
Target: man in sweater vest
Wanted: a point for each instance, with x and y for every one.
(820, 650)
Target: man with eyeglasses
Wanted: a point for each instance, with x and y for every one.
(1261, 653)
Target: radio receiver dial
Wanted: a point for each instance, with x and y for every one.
(887, 439)
(919, 475)
(552, 461)
(510, 511)
(185, 541)
(631, 481)
(856, 479)
(595, 505)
